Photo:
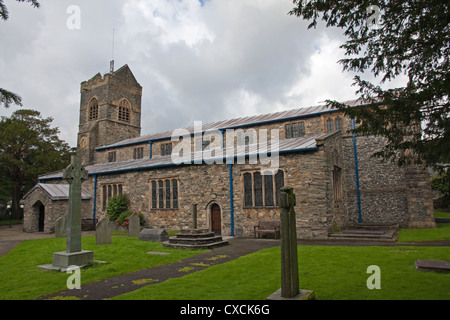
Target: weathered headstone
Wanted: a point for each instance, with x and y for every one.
(74, 174)
(134, 227)
(103, 232)
(155, 235)
(289, 259)
(61, 227)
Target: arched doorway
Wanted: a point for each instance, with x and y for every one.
(216, 219)
(39, 216)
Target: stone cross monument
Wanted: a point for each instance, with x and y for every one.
(289, 258)
(74, 174)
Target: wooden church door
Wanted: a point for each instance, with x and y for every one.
(216, 221)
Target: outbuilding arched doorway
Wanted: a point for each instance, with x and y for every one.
(39, 216)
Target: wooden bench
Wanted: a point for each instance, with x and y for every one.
(87, 224)
(267, 227)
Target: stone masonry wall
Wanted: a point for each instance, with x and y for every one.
(389, 194)
(53, 211)
(309, 173)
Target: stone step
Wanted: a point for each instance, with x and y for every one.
(194, 235)
(362, 233)
(196, 246)
(195, 241)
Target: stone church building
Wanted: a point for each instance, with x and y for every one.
(230, 172)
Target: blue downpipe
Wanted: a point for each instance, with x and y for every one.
(358, 192)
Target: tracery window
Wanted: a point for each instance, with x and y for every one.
(108, 191)
(259, 189)
(164, 193)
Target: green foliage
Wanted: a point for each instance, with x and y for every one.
(29, 147)
(123, 218)
(4, 14)
(411, 38)
(7, 98)
(116, 205)
(441, 183)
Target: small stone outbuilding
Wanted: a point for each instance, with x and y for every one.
(45, 203)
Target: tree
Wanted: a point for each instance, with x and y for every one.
(4, 14)
(8, 97)
(28, 147)
(392, 38)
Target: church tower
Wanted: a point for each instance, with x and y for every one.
(110, 110)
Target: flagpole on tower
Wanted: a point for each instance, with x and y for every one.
(111, 64)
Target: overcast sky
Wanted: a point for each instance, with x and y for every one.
(205, 60)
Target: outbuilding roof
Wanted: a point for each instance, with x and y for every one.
(57, 191)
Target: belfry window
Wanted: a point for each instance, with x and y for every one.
(124, 111)
(93, 109)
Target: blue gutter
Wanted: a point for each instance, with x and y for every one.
(358, 193)
(95, 199)
(231, 201)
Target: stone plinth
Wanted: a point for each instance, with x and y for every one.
(79, 258)
(62, 260)
(303, 295)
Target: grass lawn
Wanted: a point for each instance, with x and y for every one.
(441, 214)
(442, 232)
(334, 273)
(21, 279)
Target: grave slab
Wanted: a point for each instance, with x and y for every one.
(155, 235)
(433, 265)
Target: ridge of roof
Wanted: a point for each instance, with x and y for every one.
(57, 191)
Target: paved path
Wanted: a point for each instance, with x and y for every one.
(11, 237)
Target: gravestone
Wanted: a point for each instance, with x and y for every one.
(61, 227)
(103, 232)
(289, 259)
(134, 226)
(433, 265)
(155, 235)
(74, 174)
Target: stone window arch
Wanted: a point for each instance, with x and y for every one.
(93, 109)
(124, 110)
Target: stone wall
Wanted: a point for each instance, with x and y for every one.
(389, 194)
(54, 209)
(309, 173)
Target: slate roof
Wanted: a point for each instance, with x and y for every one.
(239, 123)
(57, 191)
(288, 145)
(307, 143)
